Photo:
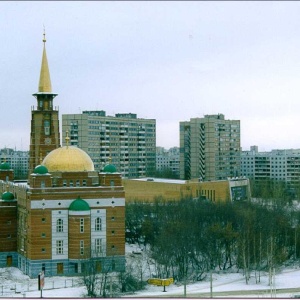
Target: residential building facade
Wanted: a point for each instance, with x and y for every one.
(168, 159)
(283, 165)
(129, 142)
(18, 160)
(210, 148)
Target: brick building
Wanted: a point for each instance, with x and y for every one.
(66, 214)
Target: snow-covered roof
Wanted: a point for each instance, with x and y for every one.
(164, 180)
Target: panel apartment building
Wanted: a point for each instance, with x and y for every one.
(283, 165)
(124, 140)
(210, 148)
(168, 159)
(17, 159)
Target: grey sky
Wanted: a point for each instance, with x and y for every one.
(169, 61)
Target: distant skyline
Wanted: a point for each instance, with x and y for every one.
(169, 61)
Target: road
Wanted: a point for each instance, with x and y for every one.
(237, 294)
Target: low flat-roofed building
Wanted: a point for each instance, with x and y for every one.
(148, 189)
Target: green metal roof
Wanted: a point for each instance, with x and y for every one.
(79, 205)
(109, 169)
(40, 170)
(5, 166)
(7, 196)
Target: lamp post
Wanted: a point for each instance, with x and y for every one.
(295, 226)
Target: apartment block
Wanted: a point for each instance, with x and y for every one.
(210, 148)
(124, 140)
(281, 165)
(168, 159)
(18, 160)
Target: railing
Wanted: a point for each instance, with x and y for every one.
(21, 288)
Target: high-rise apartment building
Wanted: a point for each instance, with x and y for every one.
(125, 140)
(210, 148)
(283, 165)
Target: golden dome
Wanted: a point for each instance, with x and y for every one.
(68, 159)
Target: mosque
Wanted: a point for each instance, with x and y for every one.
(66, 214)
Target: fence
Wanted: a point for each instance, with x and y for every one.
(21, 288)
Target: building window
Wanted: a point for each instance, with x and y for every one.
(43, 220)
(64, 182)
(84, 182)
(47, 127)
(71, 183)
(42, 184)
(81, 247)
(98, 224)
(77, 182)
(43, 250)
(81, 225)
(59, 247)
(98, 246)
(59, 225)
(43, 235)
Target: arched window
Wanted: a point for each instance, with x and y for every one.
(98, 226)
(59, 225)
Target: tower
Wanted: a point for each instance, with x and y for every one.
(44, 136)
(210, 148)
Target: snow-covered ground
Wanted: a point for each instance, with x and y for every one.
(15, 284)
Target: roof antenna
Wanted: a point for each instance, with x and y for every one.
(44, 34)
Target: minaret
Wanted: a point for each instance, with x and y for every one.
(44, 136)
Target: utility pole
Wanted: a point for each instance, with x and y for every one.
(211, 286)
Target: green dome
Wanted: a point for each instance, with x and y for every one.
(7, 196)
(79, 205)
(40, 170)
(5, 166)
(109, 169)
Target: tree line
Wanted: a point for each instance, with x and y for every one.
(188, 239)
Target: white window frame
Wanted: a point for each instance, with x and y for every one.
(81, 225)
(98, 224)
(98, 246)
(59, 247)
(81, 247)
(59, 225)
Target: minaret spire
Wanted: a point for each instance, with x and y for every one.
(44, 136)
(45, 81)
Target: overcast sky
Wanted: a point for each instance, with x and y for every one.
(169, 61)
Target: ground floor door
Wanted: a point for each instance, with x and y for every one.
(9, 261)
(98, 266)
(60, 268)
